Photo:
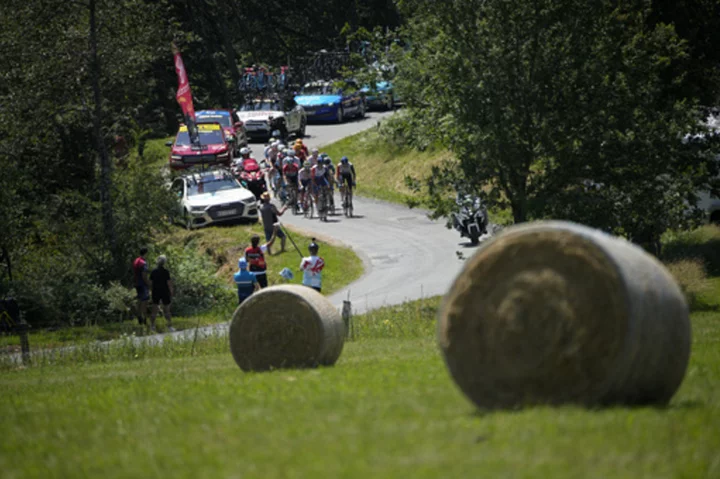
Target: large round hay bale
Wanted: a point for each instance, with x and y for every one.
(555, 312)
(287, 326)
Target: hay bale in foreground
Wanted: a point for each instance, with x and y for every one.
(287, 326)
(555, 312)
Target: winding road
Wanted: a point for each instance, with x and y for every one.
(406, 255)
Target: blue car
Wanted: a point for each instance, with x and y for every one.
(322, 101)
(382, 95)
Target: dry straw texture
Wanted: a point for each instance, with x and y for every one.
(287, 326)
(553, 313)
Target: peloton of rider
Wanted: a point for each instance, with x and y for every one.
(345, 173)
(305, 178)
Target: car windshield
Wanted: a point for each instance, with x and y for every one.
(315, 90)
(262, 106)
(223, 119)
(210, 184)
(207, 137)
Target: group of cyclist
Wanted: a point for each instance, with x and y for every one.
(308, 172)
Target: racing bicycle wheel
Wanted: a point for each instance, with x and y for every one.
(308, 206)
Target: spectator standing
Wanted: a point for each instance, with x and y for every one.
(312, 267)
(246, 281)
(255, 257)
(162, 292)
(269, 214)
(142, 284)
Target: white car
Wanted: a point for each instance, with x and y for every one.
(212, 196)
(267, 117)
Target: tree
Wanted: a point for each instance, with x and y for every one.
(555, 108)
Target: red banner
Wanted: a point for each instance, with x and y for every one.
(183, 95)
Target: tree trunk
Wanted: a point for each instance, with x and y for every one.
(101, 150)
(230, 56)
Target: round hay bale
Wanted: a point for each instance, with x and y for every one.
(288, 326)
(555, 312)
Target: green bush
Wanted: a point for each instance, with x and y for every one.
(702, 244)
(692, 279)
(196, 286)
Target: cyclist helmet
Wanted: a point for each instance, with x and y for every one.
(314, 151)
(344, 159)
(281, 146)
(245, 151)
(298, 142)
(306, 165)
(275, 144)
(289, 152)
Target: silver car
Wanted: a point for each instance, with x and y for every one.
(211, 197)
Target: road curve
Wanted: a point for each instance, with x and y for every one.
(406, 255)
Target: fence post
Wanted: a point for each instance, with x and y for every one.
(22, 330)
(347, 319)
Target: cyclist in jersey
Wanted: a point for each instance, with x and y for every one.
(345, 174)
(290, 174)
(301, 151)
(319, 178)
(330, 175)
(313, 158)
(305, 178)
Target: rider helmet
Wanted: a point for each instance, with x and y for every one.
(344, 159)
(314, 151)
(289, 152)
(306, 165)
(245, 151)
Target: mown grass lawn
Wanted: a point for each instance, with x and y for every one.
(388, 408)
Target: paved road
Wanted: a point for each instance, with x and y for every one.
(406, 255)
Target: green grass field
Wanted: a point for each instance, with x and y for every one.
(388, 408)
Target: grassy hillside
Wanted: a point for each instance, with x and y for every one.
(382, 166)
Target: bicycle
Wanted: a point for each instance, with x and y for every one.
(293, 198)
(308, 206)
(347, 201)
(322, 203)
(331, 201)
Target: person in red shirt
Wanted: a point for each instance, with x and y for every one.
(255, 257)
(142, 284)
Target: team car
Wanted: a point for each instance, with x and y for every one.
(212, 196)
(323, 100)
(232, 126)
(267, 117)
(212, 147)
(381, 95)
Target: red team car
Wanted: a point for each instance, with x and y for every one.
(211, 149)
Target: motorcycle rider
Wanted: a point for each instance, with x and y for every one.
(244, 155)
(345, 174)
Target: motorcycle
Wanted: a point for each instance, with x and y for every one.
(252, 177)
(472, 218)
